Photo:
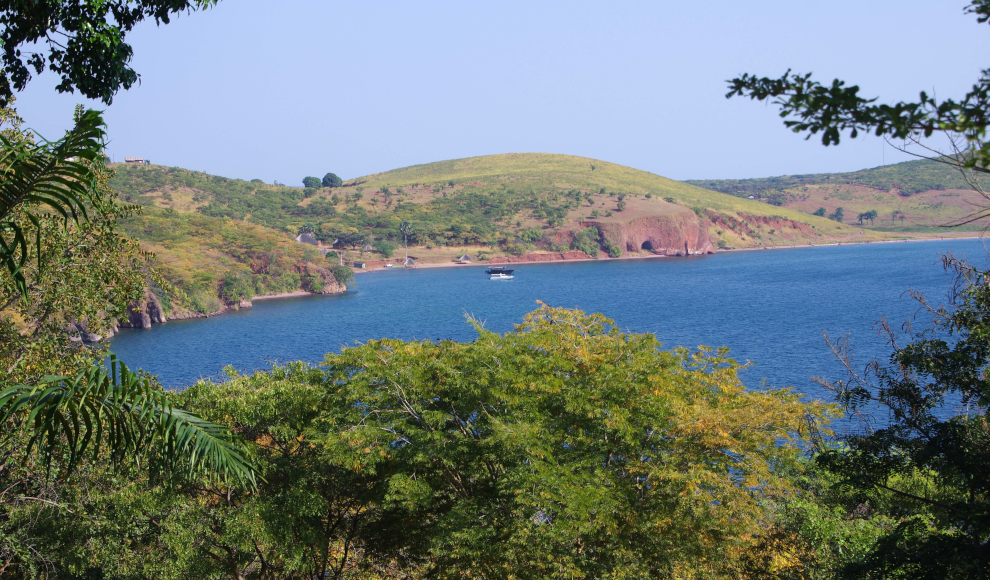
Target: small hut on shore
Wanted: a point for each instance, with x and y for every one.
(465, 259)
(409, 263)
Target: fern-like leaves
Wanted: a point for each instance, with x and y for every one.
(114, 407)
(59, 175)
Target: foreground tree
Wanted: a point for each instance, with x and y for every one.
(82, 41)
(68, 269)
(563, 449)
(932, 450)
(833, 109)
(567, 449)
(928, 454)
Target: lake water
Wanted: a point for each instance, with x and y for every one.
(769, 307)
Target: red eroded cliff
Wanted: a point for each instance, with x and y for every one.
(677, 234)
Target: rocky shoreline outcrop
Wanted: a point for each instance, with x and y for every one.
(679, 234)
(147, 311)
(142, 313)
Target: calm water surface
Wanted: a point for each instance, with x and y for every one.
(768, 307)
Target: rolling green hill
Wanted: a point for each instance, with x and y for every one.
(209, 230)
(914, 196)
(907, 178)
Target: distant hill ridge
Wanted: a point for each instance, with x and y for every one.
(905, 178)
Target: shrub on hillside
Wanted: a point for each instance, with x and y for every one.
(384, 247)
(586, 241)
(344, 275)
(237, 285)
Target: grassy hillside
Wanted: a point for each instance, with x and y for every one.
(914, 196)
(213, 262)
(907, 178)
(213, 233)
(498, 203)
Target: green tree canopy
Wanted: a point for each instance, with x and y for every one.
(566, 449)
(82, 41)
(331, 180)
(311, 182)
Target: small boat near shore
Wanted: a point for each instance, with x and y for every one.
(498, 270)
(501, 276)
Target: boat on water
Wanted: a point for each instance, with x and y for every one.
(501, 276)
(499, 270)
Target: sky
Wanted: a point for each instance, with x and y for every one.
(281, 90)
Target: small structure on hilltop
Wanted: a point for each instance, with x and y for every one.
(134, 160)
(307, 239)
(465, 259)
(367, 248)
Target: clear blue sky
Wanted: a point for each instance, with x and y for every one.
(281, 90)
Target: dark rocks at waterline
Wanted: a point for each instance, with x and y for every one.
(142, 313)
(79, 332)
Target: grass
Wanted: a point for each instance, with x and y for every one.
(215, 261)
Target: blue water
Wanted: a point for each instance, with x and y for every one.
(768, 307)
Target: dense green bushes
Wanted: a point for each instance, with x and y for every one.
(563, 449)
(586, 241)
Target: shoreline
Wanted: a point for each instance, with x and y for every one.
(651, 257)
(284, 295)
(303, 293)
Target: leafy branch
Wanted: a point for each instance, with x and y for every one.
(114, 406)
(58, 175)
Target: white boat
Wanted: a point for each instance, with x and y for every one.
(500, 277)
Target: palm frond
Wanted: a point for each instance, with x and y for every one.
(114, 406)
(59, 175)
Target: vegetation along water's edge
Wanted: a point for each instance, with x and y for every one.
(220, 243)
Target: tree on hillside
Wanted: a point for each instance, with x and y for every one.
(871, 215)
(405, 228)
(82, 41)
(331, 180)
(384, 247)
(820, 212)
(312, 182)
(836, 215)
(810, 107)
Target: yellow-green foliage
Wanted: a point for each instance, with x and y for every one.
(205, 256)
